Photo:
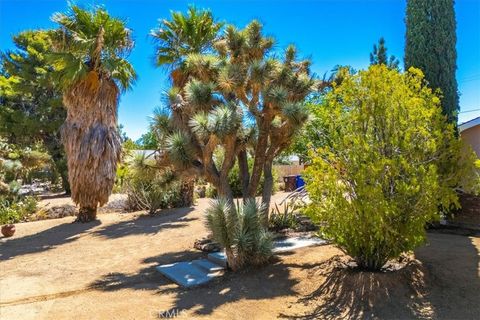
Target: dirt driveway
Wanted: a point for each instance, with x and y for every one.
(54, 269)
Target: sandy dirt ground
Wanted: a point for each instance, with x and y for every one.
(56, 269)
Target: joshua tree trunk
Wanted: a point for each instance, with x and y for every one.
(91, 141)
(224, 191)
(244, 172)
(187, 189)
(267, 189)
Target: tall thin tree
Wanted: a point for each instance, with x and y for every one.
(430, 46)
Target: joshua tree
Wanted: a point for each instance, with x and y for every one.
(235, 96)
(90, 49)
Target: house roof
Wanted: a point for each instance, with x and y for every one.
(469, 124)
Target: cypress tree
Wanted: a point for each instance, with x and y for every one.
(430, 46)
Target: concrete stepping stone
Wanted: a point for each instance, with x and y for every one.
(193, 273)
(208, 265)
(218, 258)
(186, 274)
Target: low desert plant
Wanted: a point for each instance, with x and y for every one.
(390, 163)
(239, 230)
(151, 188)
(16, 209)
(283, 219)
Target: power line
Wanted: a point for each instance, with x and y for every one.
(469, 110)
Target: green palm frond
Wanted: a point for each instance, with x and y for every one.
(91, 41)
(184, 34)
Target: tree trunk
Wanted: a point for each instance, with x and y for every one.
(232, 262)
(244, 172)
(258, 163)
(187, 189)
(267, 189)
(224, 191)
(86, 214)
(91, 141)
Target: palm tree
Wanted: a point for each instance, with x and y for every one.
(184, 35)
(90, 48)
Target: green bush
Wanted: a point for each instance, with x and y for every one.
(239, 230)
(389, 163)
(15, 209)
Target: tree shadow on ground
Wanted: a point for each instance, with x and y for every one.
(253, 284)
(442, 283)
(147, 278)
(147, 224)
(45, 240)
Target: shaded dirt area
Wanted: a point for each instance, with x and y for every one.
(469, 215)
(54, 269)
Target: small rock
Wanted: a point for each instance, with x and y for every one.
(206, 244)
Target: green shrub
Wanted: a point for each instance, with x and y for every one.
(14, 209)
(389, 163)
(239, 230)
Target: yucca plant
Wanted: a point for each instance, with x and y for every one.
(239, 230)
(90, 47)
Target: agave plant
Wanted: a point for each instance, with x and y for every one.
(239, 230)
(90, 48)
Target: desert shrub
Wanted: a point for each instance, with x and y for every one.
(390, 161)
(283, 219)
(239, 230)
(154, 195)
(15, 209)
(151, 188)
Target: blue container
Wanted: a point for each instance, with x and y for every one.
(299, 182)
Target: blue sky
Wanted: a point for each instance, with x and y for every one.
(328, 32)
